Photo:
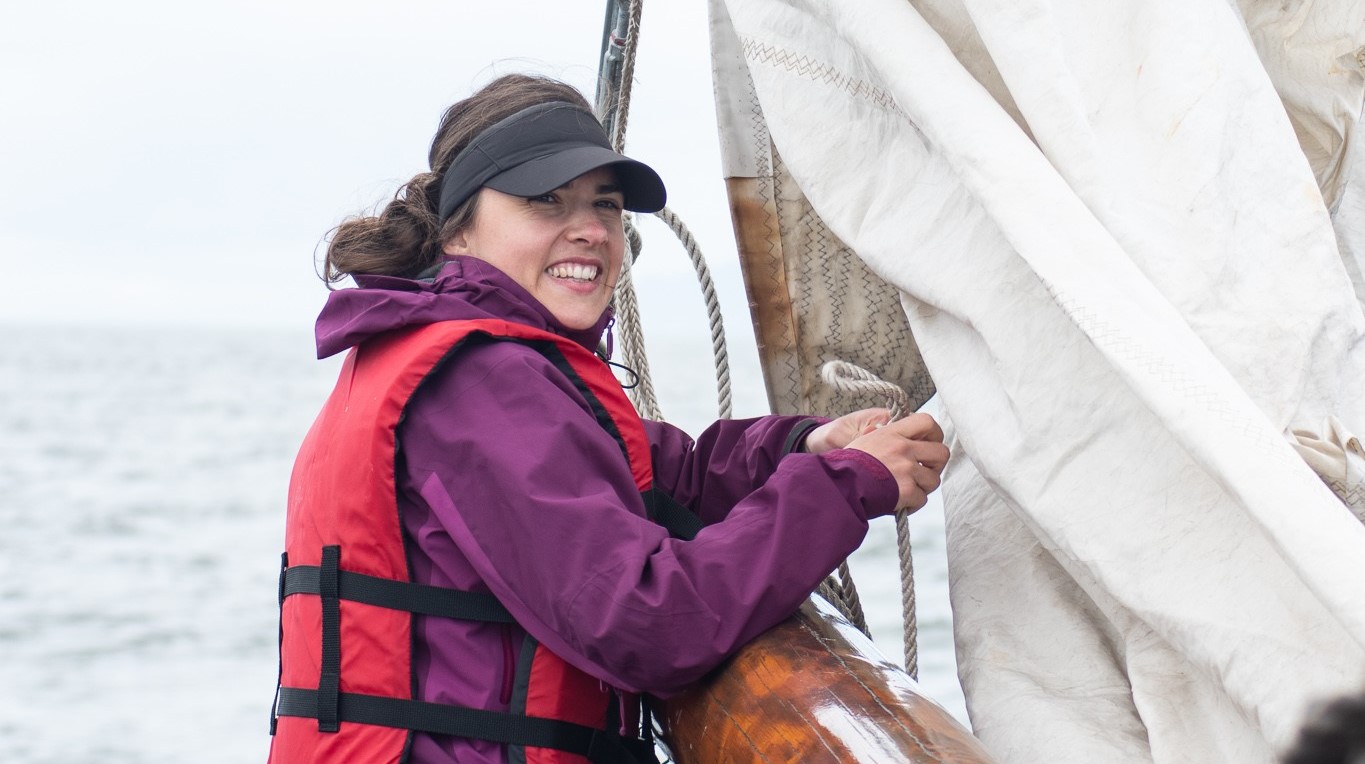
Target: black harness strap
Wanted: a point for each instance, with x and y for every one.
(556, 357)
(329, 680)
(609, 746)
(330, 706)
(798, 434)
(279, 648)
(678, 520)
(440, 719)
(399, 595)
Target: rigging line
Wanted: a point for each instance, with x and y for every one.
(847, 377)
(620, 41)
(609, 59)
(620, 45)
(627, 76)
(720, 355)
(632, 335)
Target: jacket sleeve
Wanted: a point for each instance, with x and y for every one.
(726, 462)
(540, 501)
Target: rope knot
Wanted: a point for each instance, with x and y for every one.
(851, 378)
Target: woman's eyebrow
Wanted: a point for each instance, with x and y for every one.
(609, 188)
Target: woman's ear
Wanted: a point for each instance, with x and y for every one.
(457, 244)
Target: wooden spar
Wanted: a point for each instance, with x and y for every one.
(812, 689)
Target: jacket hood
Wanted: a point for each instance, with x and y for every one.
(465, 288)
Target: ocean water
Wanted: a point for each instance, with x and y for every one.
(142, 481)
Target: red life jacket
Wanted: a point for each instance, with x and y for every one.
(346, 596)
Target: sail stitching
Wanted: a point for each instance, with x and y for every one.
(818, 71)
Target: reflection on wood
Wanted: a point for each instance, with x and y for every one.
(812, 689)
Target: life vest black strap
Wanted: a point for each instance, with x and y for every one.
(557, 358)
(279, 647)
(329, 679)
(440, 719)
(400, 595)
(796, 438)
(678, 520)
(609, 746)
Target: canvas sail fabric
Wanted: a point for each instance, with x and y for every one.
(816, 301)
(1125, 238)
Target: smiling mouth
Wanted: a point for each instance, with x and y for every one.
(574, 272)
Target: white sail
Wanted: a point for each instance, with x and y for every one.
(1112, 228)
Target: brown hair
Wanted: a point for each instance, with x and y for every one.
(406, 237)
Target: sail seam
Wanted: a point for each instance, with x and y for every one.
(818, 71)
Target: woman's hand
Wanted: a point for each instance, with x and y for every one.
(912, 449)
(838, 433)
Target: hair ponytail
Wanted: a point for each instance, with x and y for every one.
(406, 237)
(401, 240)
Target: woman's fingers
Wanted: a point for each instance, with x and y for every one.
(838, 433)
(912, 498)
(933, 455)
(918, 427)
(912, 450)
(868, 420)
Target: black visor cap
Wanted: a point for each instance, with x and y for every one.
(540, 149)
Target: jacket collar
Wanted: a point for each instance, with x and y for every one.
(464, 288)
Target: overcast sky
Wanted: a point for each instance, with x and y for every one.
(171, 162)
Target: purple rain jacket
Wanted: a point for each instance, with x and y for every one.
(508, 485)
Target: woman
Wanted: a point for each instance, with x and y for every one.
(473, 570)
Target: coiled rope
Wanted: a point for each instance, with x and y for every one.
(620, 46)
(720, 355)
(622, 40)
(850, 378)
(613, 103)
(632, 335)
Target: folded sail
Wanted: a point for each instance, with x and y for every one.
(1125, 236)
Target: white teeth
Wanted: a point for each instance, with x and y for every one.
(576, 271)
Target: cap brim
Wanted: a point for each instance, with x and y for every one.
(642, 188)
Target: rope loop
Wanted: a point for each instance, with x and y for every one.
(851, 378)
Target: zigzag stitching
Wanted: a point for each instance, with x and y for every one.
(817, 71)
(1352, 496)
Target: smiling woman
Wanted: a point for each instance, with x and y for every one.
(489, 555)
(565, 247)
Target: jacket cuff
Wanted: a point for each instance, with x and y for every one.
(882, 492)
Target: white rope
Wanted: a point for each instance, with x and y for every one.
(909, 622)
(720, 355)
(632, 45)
(838, 590)
(842, 592)
(632, 335)
(633, 352)
(627, 302)
(849, 378)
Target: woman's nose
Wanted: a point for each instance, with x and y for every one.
(588, 226)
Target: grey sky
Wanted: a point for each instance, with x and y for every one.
(166, 162)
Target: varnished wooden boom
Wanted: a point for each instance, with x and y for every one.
(812, 689)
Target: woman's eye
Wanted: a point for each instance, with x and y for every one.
(611, 204)
(545, 198)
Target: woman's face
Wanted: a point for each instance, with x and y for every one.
(564, 247)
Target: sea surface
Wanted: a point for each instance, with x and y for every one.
(142, 484)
